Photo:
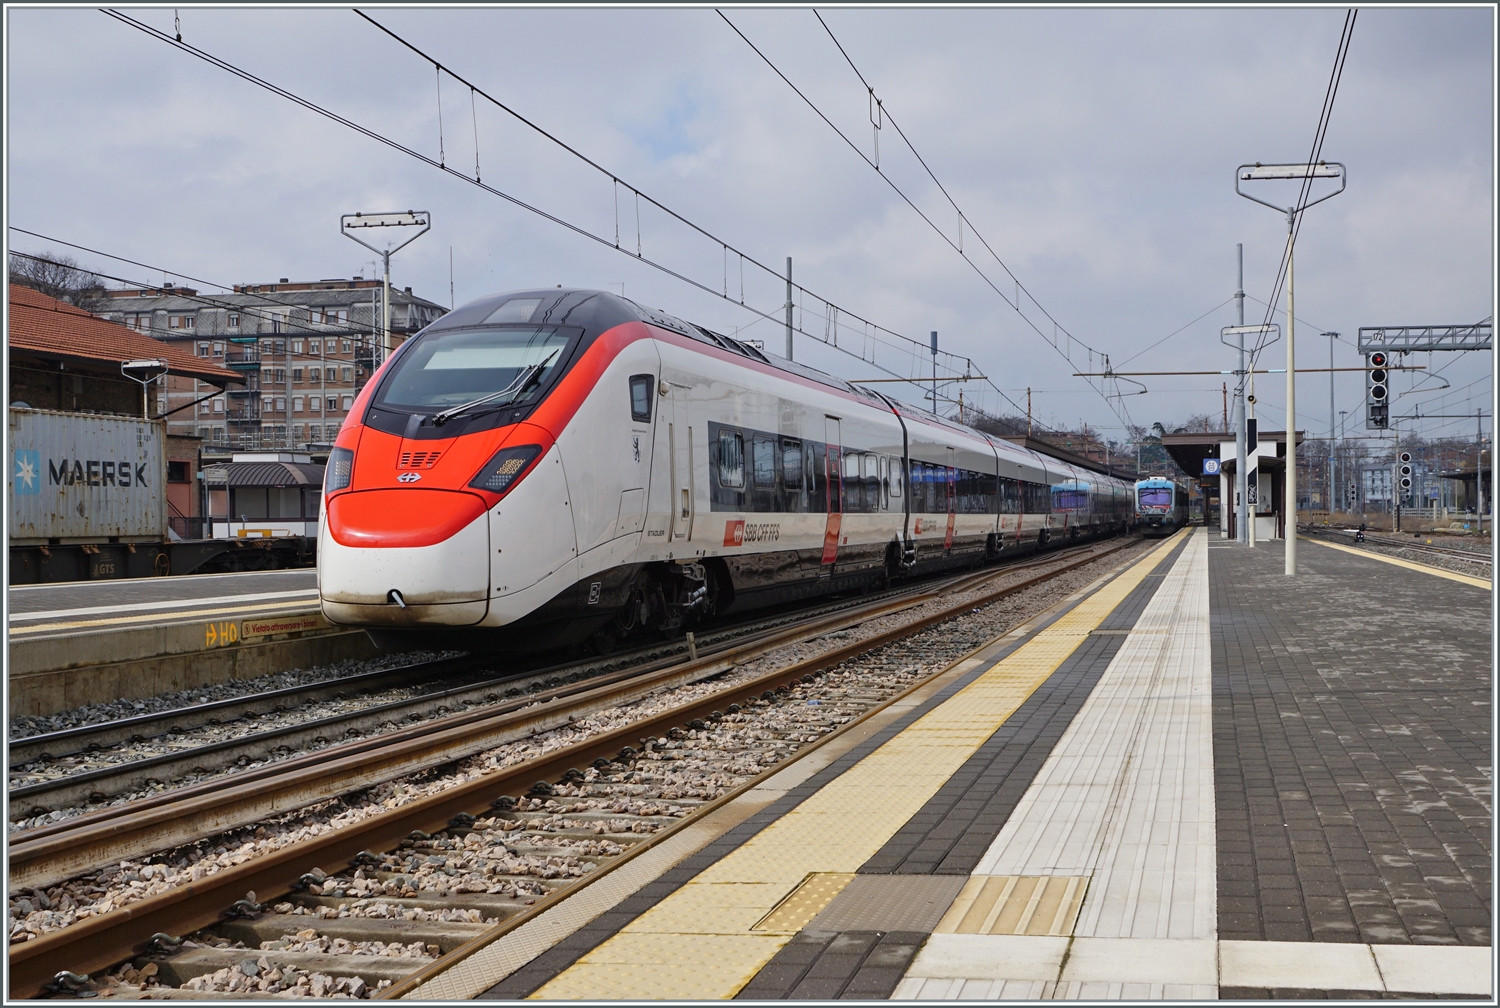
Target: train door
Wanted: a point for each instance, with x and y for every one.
(950, 487)
(834, 470)
(680, 464)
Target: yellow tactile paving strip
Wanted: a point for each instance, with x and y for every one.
(1016, 904)
(1424, 568)
(806, 902)
(698, 943)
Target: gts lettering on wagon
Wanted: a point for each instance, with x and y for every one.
(737, 532)
(95, 472)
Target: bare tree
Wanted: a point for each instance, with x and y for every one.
(57, 276)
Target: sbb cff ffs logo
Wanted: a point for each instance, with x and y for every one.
(1377, 389)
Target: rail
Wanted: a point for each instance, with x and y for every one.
(99, 942)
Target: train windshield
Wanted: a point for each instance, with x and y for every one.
(448, 369)
(1156, 497)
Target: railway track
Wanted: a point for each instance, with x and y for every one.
(404, 858)
(81, 767)
(1414, 545)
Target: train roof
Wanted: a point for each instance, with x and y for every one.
(596, 311)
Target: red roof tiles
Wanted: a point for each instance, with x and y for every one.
(53, 329)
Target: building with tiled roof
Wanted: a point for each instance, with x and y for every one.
(65, 358)
(305, 349)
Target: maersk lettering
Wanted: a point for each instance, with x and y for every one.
(95, 472)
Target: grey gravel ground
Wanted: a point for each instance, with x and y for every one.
(581, 822)
(27, 725)
(1442, 561)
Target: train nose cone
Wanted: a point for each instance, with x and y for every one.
(434, 544)
(384, 519)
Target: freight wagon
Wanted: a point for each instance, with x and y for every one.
(88, 501)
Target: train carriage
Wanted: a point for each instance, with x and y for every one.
(1161, 506)
(547, 466)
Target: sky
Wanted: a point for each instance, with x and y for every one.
(1092, 150)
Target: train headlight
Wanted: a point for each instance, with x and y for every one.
(340, 471)
(505, 468)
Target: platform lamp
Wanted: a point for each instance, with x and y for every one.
(145, 372)
(1304, 173)
(410, 218)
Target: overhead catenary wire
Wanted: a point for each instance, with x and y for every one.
(1319, 134)
(210, 302)
(911, 345)
(638, 194)
(957, 246)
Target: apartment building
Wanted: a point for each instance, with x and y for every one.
(305, 349)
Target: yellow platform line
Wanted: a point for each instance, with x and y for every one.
(164, 618)
(1435, 571)
(698, 944)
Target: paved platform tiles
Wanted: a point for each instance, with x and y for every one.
(1071, 813)
(90, 606)
(1352, 750)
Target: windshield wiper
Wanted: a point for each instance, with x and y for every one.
(515, 390)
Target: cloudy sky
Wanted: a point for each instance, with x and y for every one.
(1093, 150)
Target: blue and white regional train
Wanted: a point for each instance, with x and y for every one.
(1161, 506)
(548, 466)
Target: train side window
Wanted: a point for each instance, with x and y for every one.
(731, 459)
(641, 386)
(882, 482)
(791, 463)
(895, 471)
(763, 462)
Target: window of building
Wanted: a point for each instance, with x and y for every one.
(180, 322)
(281, 346)
(313, 374)
(314, 403)
(205, 407)
(281, 404)
(202, 349)
(348, 374)
(177, 472)
(313, 346)
(296, 374)
(278, 376)
(332, 404)
(296, 404)
(296, 346)
(218, 349)
(348, 403)
(347, 346)
(265, 403)
(218, 405)
(234, 320)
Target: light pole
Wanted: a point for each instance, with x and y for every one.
(1305, 173)
(411, 218)
(1328, 473)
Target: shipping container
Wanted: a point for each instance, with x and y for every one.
(84, 478)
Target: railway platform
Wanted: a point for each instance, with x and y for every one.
(77, 643)
(1193, 779)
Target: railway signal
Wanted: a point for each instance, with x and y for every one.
(1377, 390)
(1404, 473)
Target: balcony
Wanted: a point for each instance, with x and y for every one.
(247, 413)
(242, 360)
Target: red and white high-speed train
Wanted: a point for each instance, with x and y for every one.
(544, 466)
